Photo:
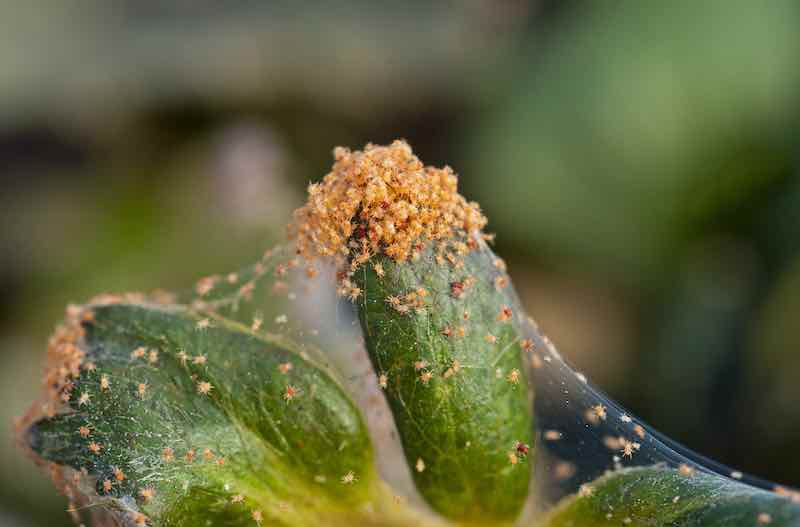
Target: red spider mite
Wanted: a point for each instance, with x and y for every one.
(456, 289)
(522, 449)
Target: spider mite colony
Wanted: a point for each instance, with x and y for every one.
(377, 369)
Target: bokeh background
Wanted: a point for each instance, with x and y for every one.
(639, 162)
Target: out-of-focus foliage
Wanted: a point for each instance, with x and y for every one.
(126, 56)
(639, 163)
(655, 148)
(641, 126)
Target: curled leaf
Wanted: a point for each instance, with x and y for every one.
(442, 340)
(183, 419)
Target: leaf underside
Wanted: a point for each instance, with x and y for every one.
(273, 429)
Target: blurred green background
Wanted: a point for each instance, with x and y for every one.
(639, 162)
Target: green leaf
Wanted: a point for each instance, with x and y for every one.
(660, 496)
(274, 433)
(450, 357)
